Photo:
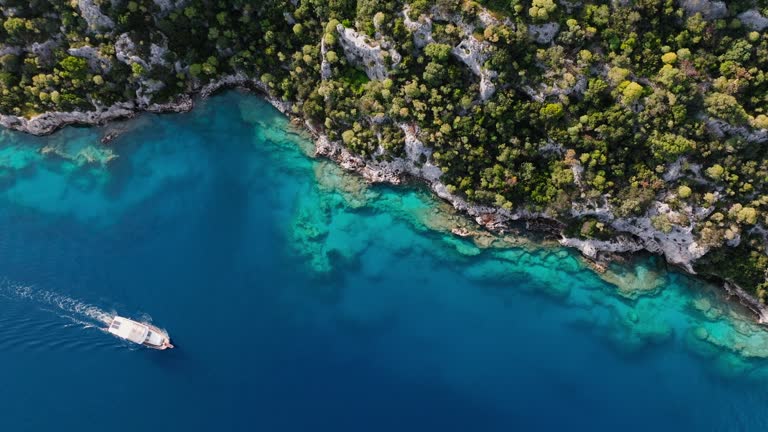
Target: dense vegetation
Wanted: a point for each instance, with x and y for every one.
(629, 103)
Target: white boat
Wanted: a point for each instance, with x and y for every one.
(140, 333)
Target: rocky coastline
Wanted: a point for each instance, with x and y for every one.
(599, 253)
(47, 123)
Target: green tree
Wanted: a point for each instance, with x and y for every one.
(137, 69)
(74, 67)
(715, 171)
(632, 92)
(18, 28)
(437, 51)
(726, 107)
(552, 111)
(541, 9)
(669, 58)
(55, 97)
(617, 75)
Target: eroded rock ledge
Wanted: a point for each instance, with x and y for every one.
(49, 122)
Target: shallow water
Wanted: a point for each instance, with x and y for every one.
(300, 299)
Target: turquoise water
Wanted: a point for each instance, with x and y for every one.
(301, 299)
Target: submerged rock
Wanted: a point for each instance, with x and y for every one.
(634, 281)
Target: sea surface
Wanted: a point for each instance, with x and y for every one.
(301, 299)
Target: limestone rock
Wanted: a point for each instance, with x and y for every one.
(487, 86)
(708, 9)
(754, 20)
(48, 122)
(147, 88)
(474, 54)
(126, 51)
(591, 248)
(421, 28)
(722, 129)
(158, 53)
(96, 62)
(10, 49)
(679, 245)
(543, 33)
(325, 65)
(92, 15)
(375, 57)
(44, 51)
(415, 150)
(167, 6)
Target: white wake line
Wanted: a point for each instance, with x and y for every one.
(89, 314)
(77, 312)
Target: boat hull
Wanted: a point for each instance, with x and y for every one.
(140, 333)
(165, 344)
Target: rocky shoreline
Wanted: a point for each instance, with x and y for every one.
(47, 123)
(401, 170)
(598, 253)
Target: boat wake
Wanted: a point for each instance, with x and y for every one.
(21, 328)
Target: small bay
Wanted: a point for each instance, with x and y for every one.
(302, 299)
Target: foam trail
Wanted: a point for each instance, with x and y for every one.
(73, 309)
(76, 312)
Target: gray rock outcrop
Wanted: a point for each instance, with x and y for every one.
(708, 9)
(167, 6)
(592, 248)
(96, 62)
(91, 13)
(754, 20)
(543, 33)
(374, 57)
(421, 29)
(474, 54)
(10, 49)
(722, 129)
(44, 51)
(325, 65)
(126, 52)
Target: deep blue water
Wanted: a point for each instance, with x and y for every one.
(301, 300)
